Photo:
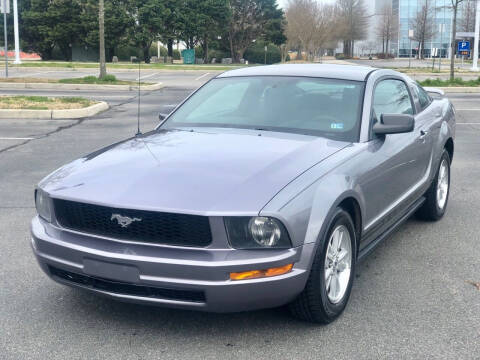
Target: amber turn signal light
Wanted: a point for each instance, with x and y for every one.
(255, 274)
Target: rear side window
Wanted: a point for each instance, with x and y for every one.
(391, 97)
(423, 98)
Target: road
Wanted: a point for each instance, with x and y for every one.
(414, 63)
(176, 78)
(411, 298)
(422, 66)
(189, 78)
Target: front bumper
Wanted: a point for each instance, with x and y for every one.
(185, 278)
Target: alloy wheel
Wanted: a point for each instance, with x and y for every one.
(338, 264)
(442, 184)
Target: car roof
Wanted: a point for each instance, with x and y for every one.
(331, 71)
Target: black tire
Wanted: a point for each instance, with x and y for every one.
(430, 209)
(313, 304)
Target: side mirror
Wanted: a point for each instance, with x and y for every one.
(434, 91)
(394, 124)
(162, 117)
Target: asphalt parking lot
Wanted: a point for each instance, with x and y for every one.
(412, 298)
(175, 78)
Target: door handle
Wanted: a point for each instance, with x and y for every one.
(423, 135)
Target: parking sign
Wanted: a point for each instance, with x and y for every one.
(463, 46)
(5, 6)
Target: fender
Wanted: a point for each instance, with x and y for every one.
(447, 131)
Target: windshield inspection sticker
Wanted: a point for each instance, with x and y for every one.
(336, 126)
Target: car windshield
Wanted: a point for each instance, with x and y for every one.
(315, 106)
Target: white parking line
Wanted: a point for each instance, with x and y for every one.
(16, 138)
(146, 76)
(198, 78)
(467, 109)
(32, 74)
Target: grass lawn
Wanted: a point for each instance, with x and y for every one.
(43, 102)
(127, 65)
(447, 83)
(27, 80)
(108, 80)
(425, 70)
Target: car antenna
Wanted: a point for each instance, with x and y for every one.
(138, 108)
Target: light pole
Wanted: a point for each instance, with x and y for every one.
(441, 49)
(477, 32)
(411, 34)
(5, 10)
(15, 30)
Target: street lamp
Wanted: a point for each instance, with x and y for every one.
(15, 30)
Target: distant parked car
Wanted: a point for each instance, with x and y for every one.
(264, 188)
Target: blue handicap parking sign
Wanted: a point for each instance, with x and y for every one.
(464, 46)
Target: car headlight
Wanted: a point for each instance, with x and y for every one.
(256, 232)
(42, 203)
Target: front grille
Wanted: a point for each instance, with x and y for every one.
(122, 288)
(147, 226)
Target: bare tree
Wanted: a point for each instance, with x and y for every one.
(455, 5)
(423, 26)
(309, 26)
(352, 23)
(301, 24)
(101, 35)
(467, 22)
(324, 36)
(387, 27)
(371, 46)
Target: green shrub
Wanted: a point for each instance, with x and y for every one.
(455, 82)
(89, 79)
(154, 51)
(176, 54)
(217, 54)
(124, 52)
(199, 52)
(212, 53)
(109, 78)
(256, 53)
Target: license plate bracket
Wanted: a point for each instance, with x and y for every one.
(111, 271)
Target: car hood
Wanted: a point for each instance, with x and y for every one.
(199, 171)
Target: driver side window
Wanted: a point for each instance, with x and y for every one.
(391, 97)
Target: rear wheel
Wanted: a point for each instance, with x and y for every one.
(437, 195)
(330, 282)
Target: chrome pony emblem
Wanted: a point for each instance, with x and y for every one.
(124, 221)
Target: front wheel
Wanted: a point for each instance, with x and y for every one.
(331, 277)
(436, 201)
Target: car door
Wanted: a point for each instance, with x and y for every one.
(396, 160)
(428, 121)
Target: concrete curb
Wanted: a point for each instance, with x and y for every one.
(59, 86)
(53, 114)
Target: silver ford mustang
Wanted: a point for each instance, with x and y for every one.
(263, 188)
